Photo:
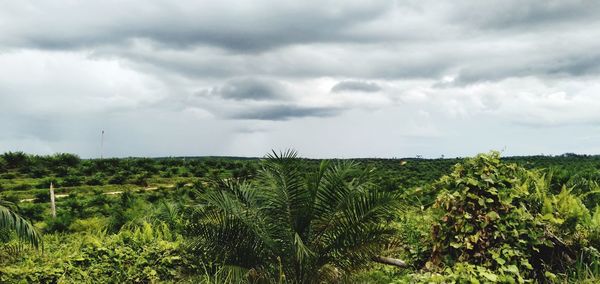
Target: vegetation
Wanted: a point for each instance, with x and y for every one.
(284, 219)
(303, 228)
(11, 222)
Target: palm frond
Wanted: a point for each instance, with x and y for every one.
(292, 223)
(231, 227)
(24, 230)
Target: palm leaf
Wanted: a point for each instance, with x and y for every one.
(24, 230)
(293, 223)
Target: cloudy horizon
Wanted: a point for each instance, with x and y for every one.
(327, 78)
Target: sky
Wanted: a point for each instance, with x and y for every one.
(340, 79)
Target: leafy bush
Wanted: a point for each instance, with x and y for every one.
(45, 183)
(21, 187)
(143, 255)
(72, 180)
(42, 196)
(97, 179)
(570, 211)
(595, 229)
(485, 220)
(15, 160)
(120, 178)
(413, 238)
(8, 176)
(61, 223)
(93, 225)
(463, 272)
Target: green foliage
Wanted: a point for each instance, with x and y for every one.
(570, 210)
(9, 220)
(501, 223)
(61, 223)
(295, 226)
(143, 255)
(42, 196)
(91, 225)
(302, 220)
(119, 178)
(595, 229)
(97, 179)
(485, 219)
(462, 272)
(413, 240)
(72, 180)
(13, 160)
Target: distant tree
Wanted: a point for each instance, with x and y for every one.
(97, 179)
(15, 160)
(72, 180)
(119, 178)
(3, 165)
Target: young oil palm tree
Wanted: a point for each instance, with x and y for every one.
(11, 221)
(293, 225)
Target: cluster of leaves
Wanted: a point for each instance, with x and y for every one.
(13, 223)
(304, 227)
(499, 223)
(146, 254)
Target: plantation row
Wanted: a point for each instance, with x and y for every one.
(283, 219)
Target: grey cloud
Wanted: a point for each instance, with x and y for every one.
(250, 89)
(512, 14)
(357, 86)
(241, 26)
(363, 41)
(354, 61)
(285, 112)
(572, 65)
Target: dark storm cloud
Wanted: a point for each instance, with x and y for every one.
(285, 112)
(250, 89)
(244, 26)
(572, 65)
(533, 14)
(357, 86)
(355, 39)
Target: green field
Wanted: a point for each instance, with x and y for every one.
(284, 219)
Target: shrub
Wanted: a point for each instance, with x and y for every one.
(595, 229)
(72, 180)
(143, 255)
(140, 180)
(414, 236)
(8, 176)
(119, 178)
(463, 272)
(42, 196)
(14, 160)
(97, 179)
(20, 187)
(93, 225)
(45, 183)
(61, 223)
(485, 221)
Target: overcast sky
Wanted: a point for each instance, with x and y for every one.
(328, 78)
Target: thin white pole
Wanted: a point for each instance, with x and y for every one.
(52, 202)
(102, 145)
